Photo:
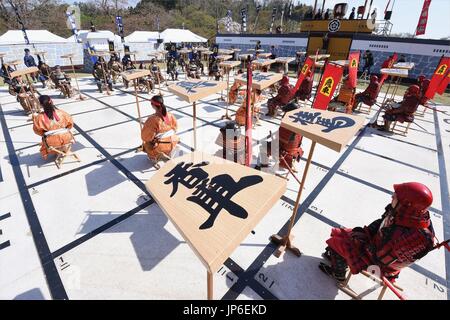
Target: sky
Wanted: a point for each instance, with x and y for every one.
(404, 16)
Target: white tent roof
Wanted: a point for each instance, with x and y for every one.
(86, 35)
(181, 35)
(35, 36)
(142, 36)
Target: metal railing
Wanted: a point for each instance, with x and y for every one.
(383, 28)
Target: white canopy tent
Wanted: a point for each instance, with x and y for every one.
(98, 39)
(35, 36)
(143, 37)
(181, 35)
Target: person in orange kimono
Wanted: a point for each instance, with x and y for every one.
(240, 113)
(159, 132)
(53, 126)
(234, 90)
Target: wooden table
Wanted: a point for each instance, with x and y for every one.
(193, 90)
(285, 62)
(228, 66)
(134, 75)
(214, 204)
(330, 129)
(70, 57)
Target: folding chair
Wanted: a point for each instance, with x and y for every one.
(63, 151)
(383, 283)
(401, 132)
(365, 110)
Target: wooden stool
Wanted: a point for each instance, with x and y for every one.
(63, 151)
(344, 287)
(402, 132)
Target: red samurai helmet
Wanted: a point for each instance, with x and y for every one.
(414, 199)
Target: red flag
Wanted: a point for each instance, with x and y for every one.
(444, 84)
(330, 79)
(248, 116)
(353, 65)
(438, 77)
(308, 65)
(422, 25)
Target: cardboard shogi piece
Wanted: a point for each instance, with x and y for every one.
(229, 64)
(263, 62)
(284, 60)
(261, 80)
(404, 65)
(213, 203)
(224, 57)
(24, 72)
(264, 55)
(225, 51)
(130, 75)
(330, 129)
(193, 90)
(401, 73)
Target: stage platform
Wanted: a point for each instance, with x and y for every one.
(91, 231)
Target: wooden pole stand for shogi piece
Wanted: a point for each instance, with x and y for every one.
(135, 75)
(301, 122)
(70, 57)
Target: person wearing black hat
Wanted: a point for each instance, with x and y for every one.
(29, 61)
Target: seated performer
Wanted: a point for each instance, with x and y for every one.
(403, 235)
(214, 69)
(304, 91)
(234, 90)
(115, 67)
(129, 66)
(193, 70)
(368, 96)
(61, 81)
(45, 72)
(172, 69)
(283, 97)
(53, 126)
(200, 65)
(403, 111)
(29, 61)
(159, 132)
(100, 76)
(146, 83)
(156, 72)
(241, 112)
(4, 73)
(346, 96)
(290, 143)
(423, 84)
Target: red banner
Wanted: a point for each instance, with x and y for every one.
(248, 117)
(423, 20)
(353, 65)
(330, 79)
(308, 65)
(444, 84)
(438, 77)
